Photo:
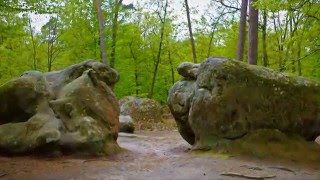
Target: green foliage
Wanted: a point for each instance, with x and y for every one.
(293, 43)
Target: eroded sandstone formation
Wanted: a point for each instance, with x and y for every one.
(228, 99)
(72, 109)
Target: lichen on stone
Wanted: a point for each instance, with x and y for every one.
(230, 99)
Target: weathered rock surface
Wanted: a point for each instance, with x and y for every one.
(229, 99)
(318, 140)
(141, 109)
(71, 109)
(126, 124)
(188, 70)
(180, 97)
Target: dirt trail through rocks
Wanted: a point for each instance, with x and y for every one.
(150, 155)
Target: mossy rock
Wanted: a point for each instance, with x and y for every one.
(141, 109)
(72, 109)
(230, 99)
(266, 144)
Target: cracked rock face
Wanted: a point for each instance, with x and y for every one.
(225, 99)
(72, 109)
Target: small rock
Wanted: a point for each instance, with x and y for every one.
(318, 140)
(126, 124)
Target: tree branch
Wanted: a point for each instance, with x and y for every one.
(312, 16)
(308, 55)
(228, 6)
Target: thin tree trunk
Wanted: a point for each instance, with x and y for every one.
(114, 32)
(283, 38)
(136, 77)
(299, 52)
(95, 45)
(264, 39)
(171, 67)
(289, 46)
(215, 24)
(51, 55)
(253, 34)
(210, 44)
(299, 60)
(211, 38)
(103, 46)
(150, 95)
(48, 57)
(190, 32)
(34, 52)
(278, 42)
(242, 30)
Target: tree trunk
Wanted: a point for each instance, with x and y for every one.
(114, 33)
(48, 57)
(210, 44)
(190, 32)
(253, 34)
(136, 76)
(278, 40)
(299, 62)
(34, 51)
(150, 95)
(264, 39)
(211, 38)
(103, 46)
(299, 51)
(242, 29)
(283, 38)
(171, 67)
(299, 58)
(290, 46)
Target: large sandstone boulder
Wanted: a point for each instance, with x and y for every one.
(229, 99)
(141, 109)
(71, 109)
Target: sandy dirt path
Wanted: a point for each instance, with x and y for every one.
(149, 155)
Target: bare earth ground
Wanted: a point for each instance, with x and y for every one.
(150, 155)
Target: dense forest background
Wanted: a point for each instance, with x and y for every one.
(146, 41)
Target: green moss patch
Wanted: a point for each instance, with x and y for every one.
(268, 145)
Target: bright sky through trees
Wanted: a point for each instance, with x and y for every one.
(39, 20)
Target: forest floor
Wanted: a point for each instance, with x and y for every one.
(152, 155)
